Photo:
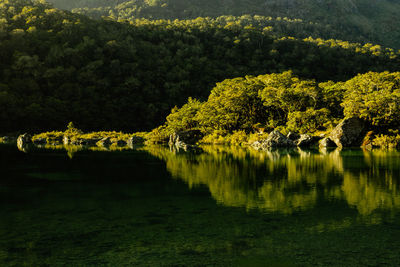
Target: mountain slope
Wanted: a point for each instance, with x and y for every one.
(353, 20)
(56, 66)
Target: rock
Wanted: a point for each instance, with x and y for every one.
(121, 143)
(40, 141)
(348, 133)
(305, 140)
(135, 140)
(190, 137)
(326, 142)
(66, 140)
(367, 140)
(274, 139)
(257, 145)
(24, 140)
(185, 139)
(106, 141)
(293, 136)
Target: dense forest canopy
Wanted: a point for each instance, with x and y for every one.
(292, 104)
(353, 20)
(56, 66)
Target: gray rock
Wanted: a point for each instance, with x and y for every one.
(305, 140)
(106, 141)
(275, 139)
(257, 145)
(326, 142)
(185, 139)
(24, 140)
(293, 136)
(348, 133)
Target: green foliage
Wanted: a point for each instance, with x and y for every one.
(232, 105)
(218, 137)
(309, 121)
(72, 130)
(238, 138)
(102, 74)
(51, 137)
(366, 21)
(386, 141)
(158, 135)
(374, 97)
(287, 93)
(184, 118)
(241, 106)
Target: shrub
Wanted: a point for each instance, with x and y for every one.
(238, 138)
(158, 135)
(386, 141)
(308, 121)
(216, 137)
(374, 97)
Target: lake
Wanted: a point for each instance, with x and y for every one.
(224, 206)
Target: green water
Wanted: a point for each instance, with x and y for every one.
(222, 207)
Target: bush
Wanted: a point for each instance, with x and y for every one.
(386, 141)
(158, 135)
(184, 118)
(216, 137)
(308, 121)
(374, 97)
(51, 137)
(238, 138)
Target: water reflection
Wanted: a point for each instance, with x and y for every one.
(287, 181)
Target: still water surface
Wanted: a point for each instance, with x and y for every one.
(221, 207)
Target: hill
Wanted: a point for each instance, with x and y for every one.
(353, 20)
(56, 66)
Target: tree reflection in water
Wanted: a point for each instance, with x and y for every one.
(286, 181)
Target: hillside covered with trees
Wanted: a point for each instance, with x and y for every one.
(237, 108)
(56, 66)
(353, 20)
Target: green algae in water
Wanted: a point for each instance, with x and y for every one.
(223, 207)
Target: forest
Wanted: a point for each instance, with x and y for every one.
(353, 20)
(57, 66)
(237, 110)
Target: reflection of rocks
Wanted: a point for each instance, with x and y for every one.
(7, 139)
(185, 140)
(134, 140)
(105, 142)
(24, 140)
(348, 133)
(66, 140)
(86, 141)
(275, 139)
(121, 143)
(287, 180)
(40, 141)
